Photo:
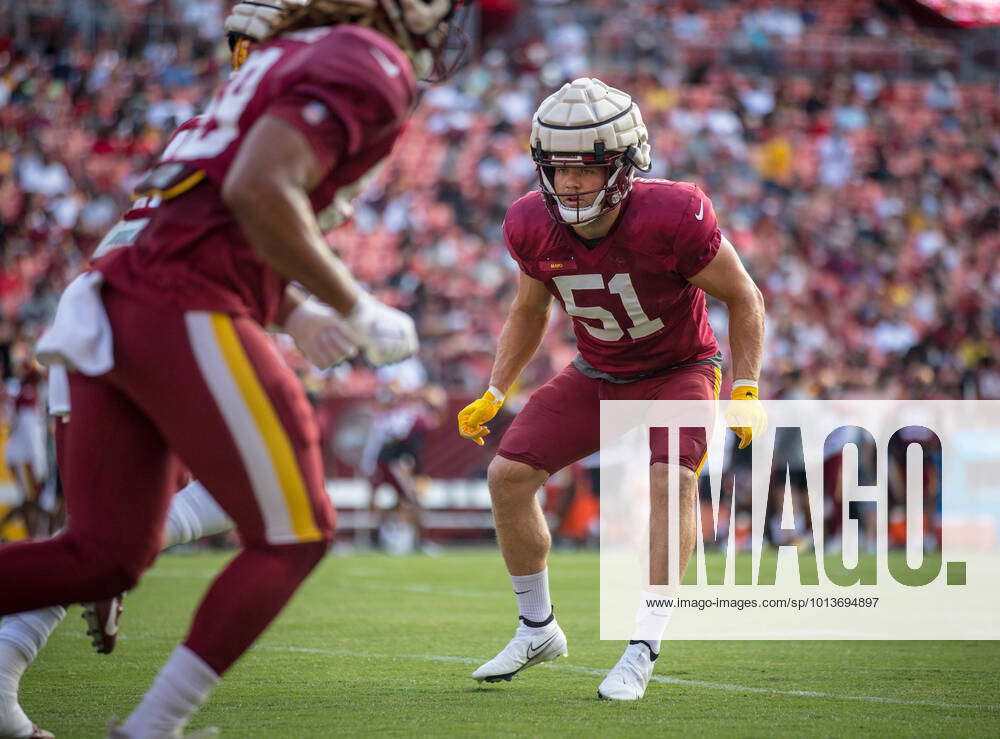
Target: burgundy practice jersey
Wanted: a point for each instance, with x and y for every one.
(634, 311)
(127, 230)
(347, 89)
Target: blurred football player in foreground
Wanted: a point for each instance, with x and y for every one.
(320, 333)
(191, 371)
(630, 260)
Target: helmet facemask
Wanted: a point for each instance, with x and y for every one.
(619, 171)
(432, 33)
(429, 32)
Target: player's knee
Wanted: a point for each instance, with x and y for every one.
(298, 560)
(121, 576)
(508, 478)
(106, 570)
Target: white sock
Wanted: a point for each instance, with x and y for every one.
(181, 687)
(29, 631)
(22, 635)
(193, 514)
(13, 721)
(651, 618)
(13, 663)
(532, 593)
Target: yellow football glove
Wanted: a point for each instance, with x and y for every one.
(746, 416)
(475, 414)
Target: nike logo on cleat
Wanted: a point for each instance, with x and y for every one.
(533, 651)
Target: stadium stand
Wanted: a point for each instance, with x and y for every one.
(850, 149)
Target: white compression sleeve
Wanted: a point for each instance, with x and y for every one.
(194, 514)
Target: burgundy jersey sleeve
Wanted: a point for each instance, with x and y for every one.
(525, 231)
(512, 242)
(313, 119)
(698, 237)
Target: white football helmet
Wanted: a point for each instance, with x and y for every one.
(424, 29)
(589, 124)
(251, 21)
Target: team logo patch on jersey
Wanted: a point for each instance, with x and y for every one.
(556, 265)
(314, 113)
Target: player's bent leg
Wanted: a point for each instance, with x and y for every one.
(230, 618)
(246, 431)
(232, 615)
(22, 635)
(558, 425)
(660, 565)
(521, 530)
(525, 541)
(111, 536)
(193, 514)
(629, 678)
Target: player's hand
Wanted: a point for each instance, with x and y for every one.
(321, 334)
(385, 335)
(745, 415)
(475, 414)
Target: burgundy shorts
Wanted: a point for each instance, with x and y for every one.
(212, 390)
(561, 422)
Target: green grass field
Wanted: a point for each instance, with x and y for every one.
(377, 645)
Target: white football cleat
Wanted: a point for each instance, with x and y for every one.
(628, 679)
(530, 646)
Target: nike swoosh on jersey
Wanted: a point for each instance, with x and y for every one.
(533, 650)
(701, 212)
(383, 61)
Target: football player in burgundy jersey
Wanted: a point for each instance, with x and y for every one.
(630, 260)
(190, 370)
(320, 334)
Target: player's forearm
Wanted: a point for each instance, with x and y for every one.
(280, 226)
(746, 333)
(521, 336)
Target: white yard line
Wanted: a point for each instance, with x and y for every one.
(726, 687)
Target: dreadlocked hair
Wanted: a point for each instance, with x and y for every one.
(330, 13)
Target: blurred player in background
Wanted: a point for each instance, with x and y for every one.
(407, 408)
(191, 370)
(26, 453)
(631, 261)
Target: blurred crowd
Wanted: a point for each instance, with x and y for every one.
(850, 165)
